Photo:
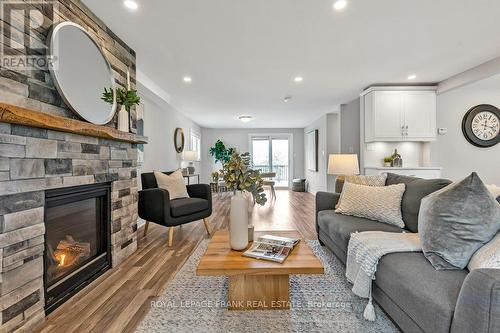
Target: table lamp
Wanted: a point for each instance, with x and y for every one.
(342, 165)
(190, 156)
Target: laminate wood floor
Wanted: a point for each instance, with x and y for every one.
(120, 298)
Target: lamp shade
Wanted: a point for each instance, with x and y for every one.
(343, 164)
(190, 156)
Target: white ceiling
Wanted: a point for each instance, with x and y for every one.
(243, 55)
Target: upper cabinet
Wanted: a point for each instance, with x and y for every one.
(399, 113)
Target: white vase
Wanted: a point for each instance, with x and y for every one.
(238, 224)
(123, 120)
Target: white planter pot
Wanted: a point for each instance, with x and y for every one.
(238, 224)
(123, 120)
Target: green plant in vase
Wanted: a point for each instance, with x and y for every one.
(388, 161)
(215, 176)
(124, 97)
(238, 176)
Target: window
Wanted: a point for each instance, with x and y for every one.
(195, 143)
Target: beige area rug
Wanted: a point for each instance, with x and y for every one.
(320, 303)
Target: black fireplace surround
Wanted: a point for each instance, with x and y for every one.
(77, 240)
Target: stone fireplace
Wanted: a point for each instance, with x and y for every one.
(35, 163)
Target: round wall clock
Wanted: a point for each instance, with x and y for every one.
(481, 125)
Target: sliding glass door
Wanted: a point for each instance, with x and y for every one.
(271, 153)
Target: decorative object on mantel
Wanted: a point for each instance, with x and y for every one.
(79, 70)
(388, 161)
(21, 116)
(342, 165)
(239, 178)
(139, 110)
(190, 156)
(220, 152)
(397, 161)
(481, 125)
(126, 98)
(179, 140)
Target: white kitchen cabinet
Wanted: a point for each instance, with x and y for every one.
(395, 114)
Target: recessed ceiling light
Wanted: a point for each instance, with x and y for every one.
(131, 4)
(412, 77)
(287, 99)
(339, 4)
(298, 79)
(187, 79)
(245, 119)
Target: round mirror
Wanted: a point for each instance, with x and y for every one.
(179, 140)
(80, 72)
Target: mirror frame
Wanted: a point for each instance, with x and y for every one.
(50, 43)
(179, 148)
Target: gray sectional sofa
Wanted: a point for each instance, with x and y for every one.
(416, 297)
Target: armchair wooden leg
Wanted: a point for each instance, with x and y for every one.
(205, 222)
(170, 236)
(146, 226)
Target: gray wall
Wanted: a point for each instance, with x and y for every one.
(452, 151)
(328, 127)
(350, 125)
(239, 139)
(160, 122)
(332, 144)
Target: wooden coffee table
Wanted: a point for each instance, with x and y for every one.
(257, 284)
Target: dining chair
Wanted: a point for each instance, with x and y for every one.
(269, 181)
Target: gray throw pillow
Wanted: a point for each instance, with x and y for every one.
(456, 221)
(416, 189)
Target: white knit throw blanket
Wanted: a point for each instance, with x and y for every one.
(363, 254)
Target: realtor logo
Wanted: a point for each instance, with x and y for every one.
(24, 26)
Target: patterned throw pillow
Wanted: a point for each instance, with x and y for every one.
(173, 183)
(379, 203)
(487, 256)
(376, 180)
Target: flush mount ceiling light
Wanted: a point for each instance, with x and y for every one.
(298, 79)
(187, 79)
(131, 4)
(339, 4)
(287, 99)
(245, 119)
(412, 77)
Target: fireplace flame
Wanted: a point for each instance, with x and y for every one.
(62, 257)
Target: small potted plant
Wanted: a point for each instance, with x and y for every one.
(215, 177)
(126, 98)
(388, 161)
(239, 177)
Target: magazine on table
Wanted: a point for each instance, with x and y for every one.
(272, 248)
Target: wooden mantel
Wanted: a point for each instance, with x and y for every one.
(21, 116)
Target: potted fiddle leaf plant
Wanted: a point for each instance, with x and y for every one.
(126, 98)
(239, 178)
(220, 152)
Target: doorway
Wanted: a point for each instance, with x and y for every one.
(273, 153)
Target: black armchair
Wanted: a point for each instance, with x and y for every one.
(155, 205)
